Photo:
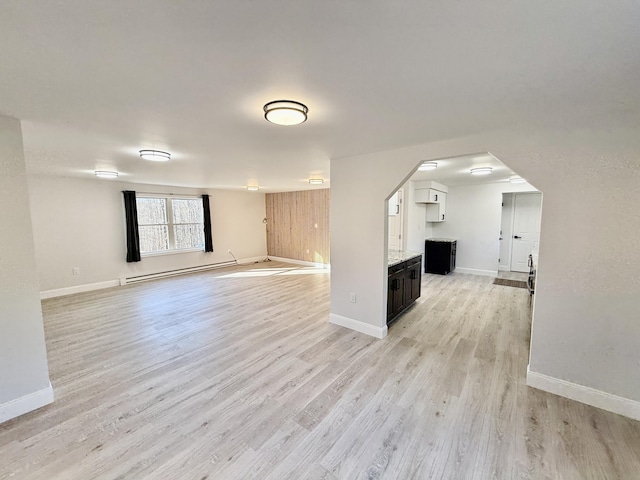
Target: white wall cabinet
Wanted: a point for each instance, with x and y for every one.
(436, 212)
(394, 204)
(428, 195)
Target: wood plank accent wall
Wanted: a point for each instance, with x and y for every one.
(298, 225)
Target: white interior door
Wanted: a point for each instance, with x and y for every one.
(526, 229)
(396, 215)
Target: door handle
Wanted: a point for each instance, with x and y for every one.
(516, 236)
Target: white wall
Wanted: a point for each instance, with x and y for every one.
(24, 375)
(474, 214)
(80, 223)
(585, 327)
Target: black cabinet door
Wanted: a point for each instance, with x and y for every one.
(412, 282)
(395, 300)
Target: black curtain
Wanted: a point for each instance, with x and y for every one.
(208, 239)
(133, 237)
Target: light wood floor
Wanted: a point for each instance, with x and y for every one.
(237, 374)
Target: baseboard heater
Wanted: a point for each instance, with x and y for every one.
(173, 273)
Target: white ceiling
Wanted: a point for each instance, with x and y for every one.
(94, 82)
(456, 171)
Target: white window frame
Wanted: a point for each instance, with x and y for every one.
(172, 236)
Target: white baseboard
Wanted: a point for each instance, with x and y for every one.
(248, 260)
(358, 326)
(60, 292)
(475, 271)
(580, 393)
(300, 262)
(25, 404)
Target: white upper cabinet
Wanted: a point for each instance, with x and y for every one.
(434, 196)
(428, 195)
(394, 204)
(436, 211)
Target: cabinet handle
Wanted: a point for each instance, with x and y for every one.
(413, 275)
(436, 197)
(443, 216)
(397, 209)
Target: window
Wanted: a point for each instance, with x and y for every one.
(168, 224)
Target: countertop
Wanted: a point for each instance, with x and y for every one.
(399, 256)
(441, 240)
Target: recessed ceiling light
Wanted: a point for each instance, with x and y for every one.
(428, 166)
(285, 112)
(481, 171)
(155, 155)
(106, 174)
(316, 181)
(253, 188)
(517, 180)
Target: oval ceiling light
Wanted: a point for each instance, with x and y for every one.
(253, 188)
(517, 180)
(428, 166)
(155, 155)
(481, 171)
(106, 174)
(316, 181)
(285, 112)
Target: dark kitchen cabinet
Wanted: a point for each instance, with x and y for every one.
(412, 279)
(403, 286)
(440, 255)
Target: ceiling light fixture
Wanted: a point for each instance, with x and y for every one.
(428, 166)
(253, 188)
(155, 155)
(285, 112)
(517, 180)
(316, 181)
(481, 171)
(106, 174)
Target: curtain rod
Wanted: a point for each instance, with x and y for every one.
(170, 194)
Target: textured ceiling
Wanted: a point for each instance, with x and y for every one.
(93, 82)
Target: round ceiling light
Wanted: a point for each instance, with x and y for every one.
(253, 188)
(428, 166)
(316, 181)
(155, 155)
(481, 171)
(285, 112)
(517, 180)
(106, 174)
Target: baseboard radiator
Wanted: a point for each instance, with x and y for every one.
(173, 273)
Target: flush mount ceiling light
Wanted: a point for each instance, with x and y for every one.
(481, 171)
(316, 181)
(106, 174)
(253, 188)
(428, 166)
(517, 180)
(155, 155)
(285, 112)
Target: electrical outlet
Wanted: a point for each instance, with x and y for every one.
(76, 270)
(352, 297)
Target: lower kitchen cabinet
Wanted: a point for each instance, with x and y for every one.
(440, 255)
(403, 286)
